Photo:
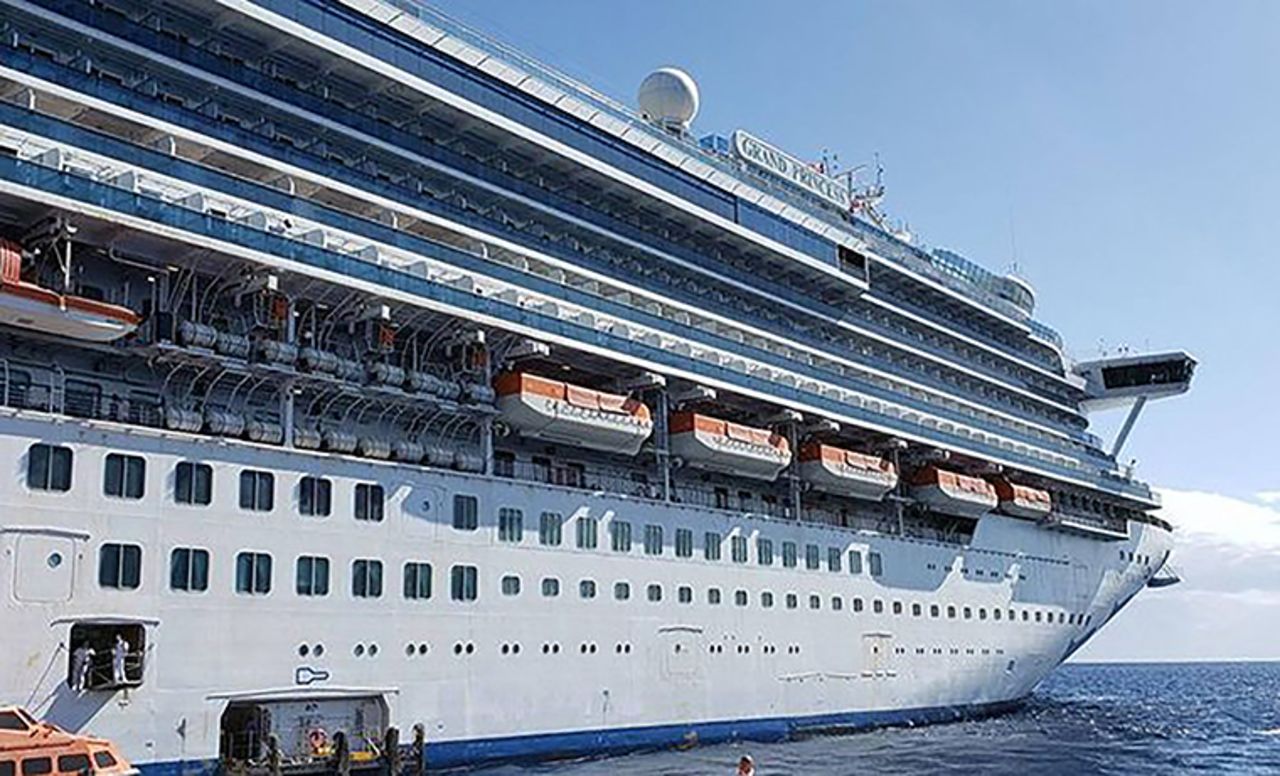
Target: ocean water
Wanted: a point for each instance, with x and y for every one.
(1165, 718)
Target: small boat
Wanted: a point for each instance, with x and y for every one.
(952, 493)
(29, 306)
(846, 472)
(1022, 500)
(713, 444)
(29, 746)
(561, 412)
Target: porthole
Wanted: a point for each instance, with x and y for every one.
(317, 650)
(457, 648)
(359, 650)
(410, 650)
(304, 650)
(422, 649)
(373, 650)
(470, 648)
(54, 560)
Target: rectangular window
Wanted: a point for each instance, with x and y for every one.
(684, 594)
(875, 564)
(511, 585)
(120, 566)
(193, 483)
(738, 549)
(764, 552)
(49, 467)
(464, 583)
(315, 497)
(684, 543)
(253, 573)
(622, 591)
(417, 581)
(257, 490)
(833, 558)
(466, 512)
(713, 596)
(654, 593)
(855, 562)
(124, 476)
(587, 588)
(370, 501)
(312, 576)
(812, 557)
(504, 464)
(711, 545)
(550, 527)
(510, 525)
(587, 533)
(366, 578)
(37, 766)
(789, 554)
(550, 587)
(653, 540)
(189, 569)
(620, 535)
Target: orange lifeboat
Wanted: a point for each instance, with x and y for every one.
(845, 472)
(29, 306)
(952, 493)
(560, 412)
(30, 746)
(1022, 500)
(710, 443)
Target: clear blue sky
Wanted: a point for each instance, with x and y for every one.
(1125, 154)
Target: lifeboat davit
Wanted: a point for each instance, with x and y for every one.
(29, 306)
(560, 412)
(952, 493)
(1022, 500)
(845, 472)
(710, 443)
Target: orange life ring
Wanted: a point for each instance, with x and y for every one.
(319, 741)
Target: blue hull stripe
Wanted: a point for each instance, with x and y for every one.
(599, 743)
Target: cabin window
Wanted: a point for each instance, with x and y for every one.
(315, 496)
(684, 594)
(257, 490)
(124, 476)
(366, 578)
(738, 549)
(897, 607)
(713, 596)
(877, 606)
(550, 529)
(789, 554)
(37, 766)
(253, 573)
(189, 569)
(466, 512)
(587, 532)
(837, 603)
(311, 575)
(510, 525)
(711, 545)
(587, 588)
(997, 614)
(815, 602)
(812, 557)
(7, 767)
(193, 483)
(764, 551)
(621, 591)
(1025, 615)
(739, 598)
(550, 587)
(1038, 616)
(510, 585)
(766, 600)
(464, 583)
(73, 763)
(417, 581)
(857, 604)
(875, 564)
(654, 593)
(120, 566)
(620, 535)
(684, 543)
(792, 601)
(653, 540)
(103, 759)
(370, 502)
(855, 562)
(833, 558)
(49, 467)
(917, 610)
(951, 612)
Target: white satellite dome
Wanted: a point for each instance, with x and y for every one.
(669, 96)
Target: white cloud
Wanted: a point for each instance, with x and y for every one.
(1247, 527)
(1269, 496)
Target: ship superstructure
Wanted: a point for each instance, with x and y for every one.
(359, 371)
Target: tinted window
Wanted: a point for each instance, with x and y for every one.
(189, 569)
(620, 535)
(550, 528)
(417, 581)
(312, 576)
(253, 573)
(37, 766)
(587, 533)
(738, 549)
(366, 578)
(711, 545)
(369, 502)
(120, 566)
(684, 543)
(73, 763)
(466, 512)
(257, 490)
(48, 468)
(124, 476)
(315, 497)
(510, 525)
(193, 483)
(653, 540)
(464, 583)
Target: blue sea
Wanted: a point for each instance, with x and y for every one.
(1165, 718)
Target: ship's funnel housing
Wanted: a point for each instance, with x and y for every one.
(669, 97)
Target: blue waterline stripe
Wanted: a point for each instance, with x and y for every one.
(599, 743)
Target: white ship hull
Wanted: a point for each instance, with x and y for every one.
(644, 673)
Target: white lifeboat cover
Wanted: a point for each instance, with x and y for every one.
(952, 493)
(718, 445)
(553, 410)
(1023, 500)
(846, 472)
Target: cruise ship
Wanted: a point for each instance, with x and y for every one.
(364, 381)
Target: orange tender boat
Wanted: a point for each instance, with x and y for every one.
(30, 747)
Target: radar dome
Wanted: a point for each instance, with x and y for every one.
(669, 96)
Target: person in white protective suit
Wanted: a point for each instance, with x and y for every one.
(118, 653)
(81, 662)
